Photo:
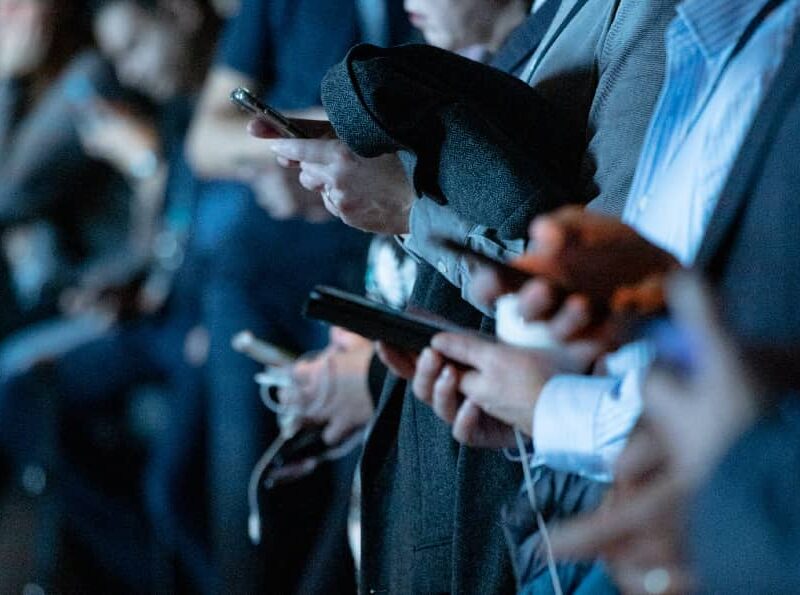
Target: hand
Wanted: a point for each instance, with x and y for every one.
(436, 384)
(586, 266)
(687, 424)
(128, 142)
(699, 416)
(24, 37)
(504, 381)
(278, 192)
(331, 390)
(373, 195)
(593, 254)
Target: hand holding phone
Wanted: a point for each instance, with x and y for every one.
(373, 320)
(264, 353)
(267, 114)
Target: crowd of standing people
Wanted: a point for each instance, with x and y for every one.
(591, 199)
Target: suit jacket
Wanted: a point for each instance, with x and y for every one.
(430, 520)
(745, 524)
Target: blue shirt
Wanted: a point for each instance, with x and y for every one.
(287, 46)
(707, 107)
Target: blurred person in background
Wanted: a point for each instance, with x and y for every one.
(285, 243)
(160, 50)
(59, 208)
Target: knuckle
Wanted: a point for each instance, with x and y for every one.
(341, 154)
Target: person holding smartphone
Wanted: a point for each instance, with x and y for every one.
(608, 157)
(284, 245)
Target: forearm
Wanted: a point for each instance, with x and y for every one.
(218, 144)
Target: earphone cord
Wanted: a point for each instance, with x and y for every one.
(254, 521)
(526, 472)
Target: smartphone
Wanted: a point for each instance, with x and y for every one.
(264, 353)
(251, 104)
(373, 320)
(511, 274)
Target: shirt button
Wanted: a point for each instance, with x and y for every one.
(442, 267)
(643, 202)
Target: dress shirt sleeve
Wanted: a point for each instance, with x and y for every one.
(582, 423)
(430, 220)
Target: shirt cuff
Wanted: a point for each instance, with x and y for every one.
(428, 221)
(581, 423)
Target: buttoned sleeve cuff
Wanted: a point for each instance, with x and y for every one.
(429, 221)
(581, 423)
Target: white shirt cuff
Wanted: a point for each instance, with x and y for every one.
(581, 423)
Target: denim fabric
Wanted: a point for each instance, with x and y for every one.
(259, 281)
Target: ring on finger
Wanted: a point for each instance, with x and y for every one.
(657, 581)
(326, 197)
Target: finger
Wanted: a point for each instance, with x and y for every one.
(287, 163)
(486, 285)
(319, 172)
(537, 300)
(446, 400)
(401, 363)
(309, 181)
(471, 385)
(466, 349)
(466, 425)
(642, 456)
(429, 367)
(548, 236)
(337, 430)
(261, 129)
(572, 319)
(319, 151)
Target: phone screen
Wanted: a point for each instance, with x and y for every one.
(251, 104)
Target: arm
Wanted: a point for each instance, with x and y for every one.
(218, 145)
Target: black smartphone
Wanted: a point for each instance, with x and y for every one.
(510, 273)
(253, 105)
(373, 320)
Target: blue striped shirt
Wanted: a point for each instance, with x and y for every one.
(708, 103)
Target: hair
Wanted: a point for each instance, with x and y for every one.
(70, 27)
(204, 37)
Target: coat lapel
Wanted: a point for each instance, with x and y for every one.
(751, 158)
(524, 40)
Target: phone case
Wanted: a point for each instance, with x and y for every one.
(371, 319)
